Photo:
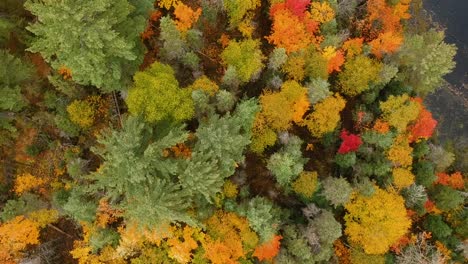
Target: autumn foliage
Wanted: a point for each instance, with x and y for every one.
(269, 249)
(350, 142)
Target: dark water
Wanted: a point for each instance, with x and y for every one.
(449, 104)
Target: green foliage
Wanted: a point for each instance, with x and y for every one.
(424, 172)
(79, 205)
(421, 149)
(359, 73)
(446, 198)
(346, 160)
(264, 217)
(103, 237)
(24, 205)
(336, 190)
(225, 101)
(436, 225)
(382, 141)
(137, 170)
(102, 47)
(318, 89)
(277, 58)
(297, 247)
(245, 57)
(426, 58)
(14, 73)
(327, 229)
(288, 163)
(415, 197)
(156, 96)
(220, 145)
(441, 158)
(176, 48)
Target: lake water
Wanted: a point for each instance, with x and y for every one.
(449, 105)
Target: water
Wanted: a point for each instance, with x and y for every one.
(449, 104)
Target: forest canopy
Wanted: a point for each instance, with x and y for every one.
(235, 131)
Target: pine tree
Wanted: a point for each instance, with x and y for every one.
(97, 40)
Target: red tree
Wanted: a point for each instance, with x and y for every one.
(350, 142)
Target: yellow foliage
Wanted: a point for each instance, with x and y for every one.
(402, 178)
(205, 84)
(326, 116)
(16, 235)
(81, 113)
(44, 217)
(358, 256)
(181, 250)
(353, 47)
(329, 52)
(186, 16)
(246, 26)
(306, 184)
(27, 182)
(376, 222)
(399, 111)
(322, 12)
(230, 189)
(400, 152)
(167, 4)
(295, 67)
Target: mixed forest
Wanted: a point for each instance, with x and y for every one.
(225, 131)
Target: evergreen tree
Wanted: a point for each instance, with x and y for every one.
(96, 40)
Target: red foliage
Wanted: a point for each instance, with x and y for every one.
(424, 125)
(429, 205)
(268, 250)
(350, 142)
(297, 7)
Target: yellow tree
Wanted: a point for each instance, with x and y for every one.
(326, 116)
(15, 236)
(399, 111)
(376, 222)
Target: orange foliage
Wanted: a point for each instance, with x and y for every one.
(65, 72)
(229, 238)
(431, 207)
(424, 125)
(335, 63)
(27, 182)
(300, 107)
(224, 40)
(400, 244)
(269, 249)
(186, 16)
(290, 31)
(381, 126)
(15, 236)
(342, 252)
(106, 214)
(180, 250)
(455, 180)
(353, 47)
(387, 42)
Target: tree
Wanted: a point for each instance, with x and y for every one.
(157, 96)
(229, 238)
(424, 125)
(186, 16)
(288, 163)
(14, 74)
(399, 111)
(358, 75)
(376, 222)
(220, 144)
(16, 235)
(245, 57)
(290, 31)
(269, 249)
(81, 113)
(326, 116)
(336, 190)
(350, 142)
(101, 46)
(446, 198)
(426, 58)
(237, 10)
(402, 178)
(306, 184)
